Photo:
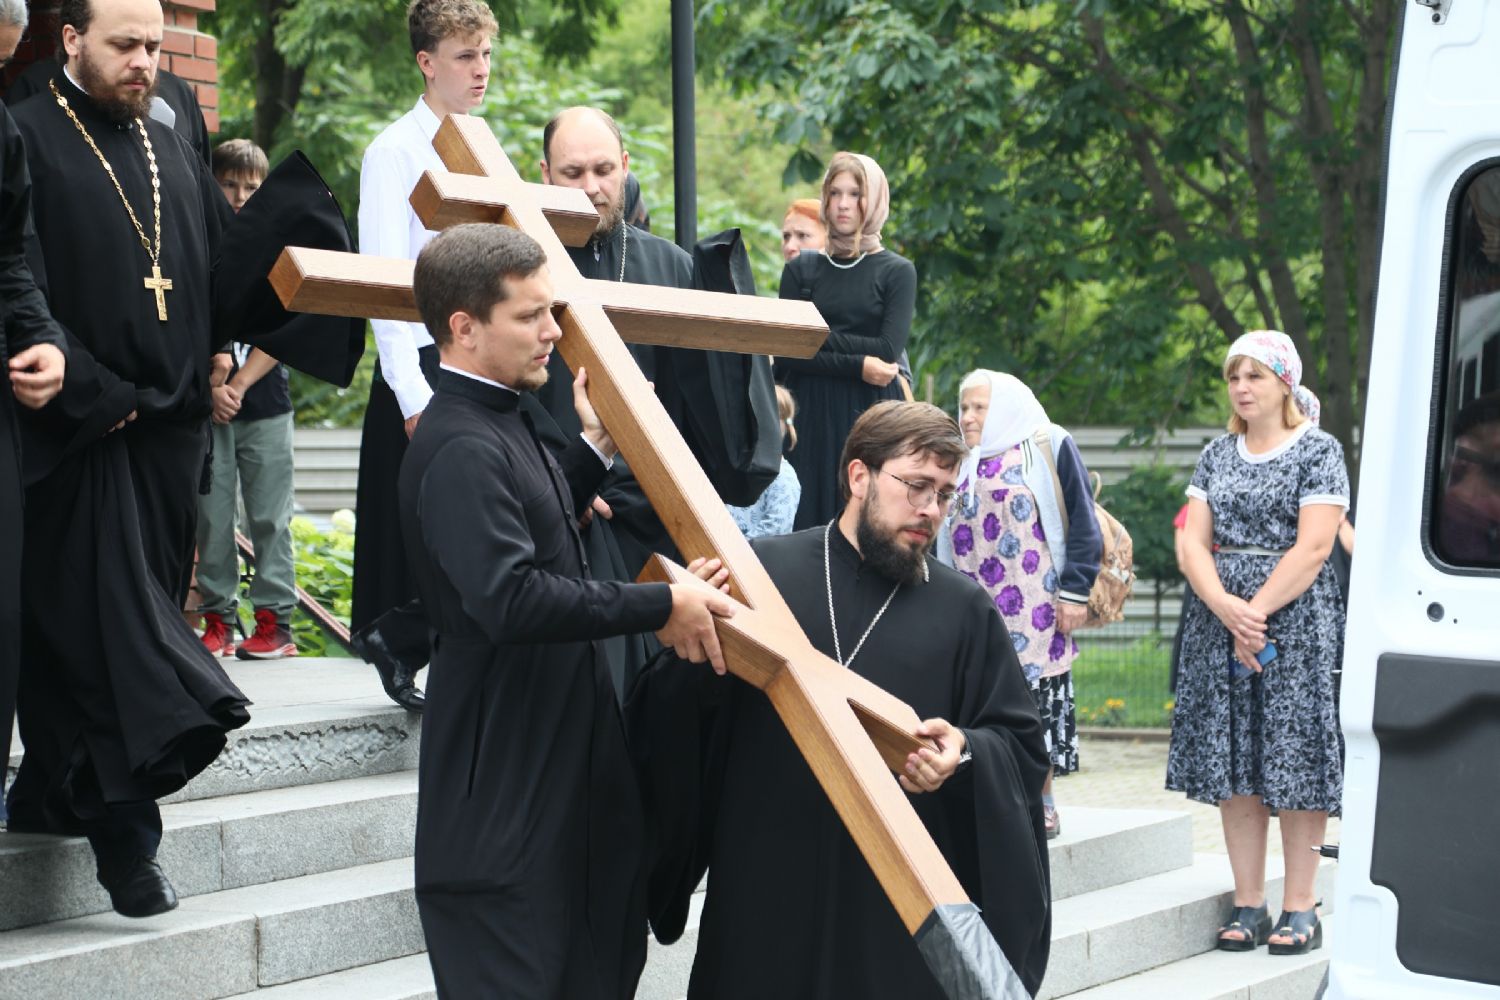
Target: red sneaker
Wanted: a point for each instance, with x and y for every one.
(271, 640)
(217, 637)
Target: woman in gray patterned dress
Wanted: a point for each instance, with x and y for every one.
(1251, 732)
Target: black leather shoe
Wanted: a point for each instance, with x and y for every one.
(139, 889)
(398, 679)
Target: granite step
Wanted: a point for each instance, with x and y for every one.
(1109, 934)
(312, 720)
(1098, 848)
(398, 979)
(222, 843)
(222, 943)
(1221, 975)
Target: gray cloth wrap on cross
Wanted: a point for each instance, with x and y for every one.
(963, 956)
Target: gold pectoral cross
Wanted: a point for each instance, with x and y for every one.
(161, 286)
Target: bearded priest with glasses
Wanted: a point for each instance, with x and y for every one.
(730, 792)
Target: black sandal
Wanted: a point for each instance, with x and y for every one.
(1303, 927)
(1252, 921)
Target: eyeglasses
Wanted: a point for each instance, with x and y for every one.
(919, 495)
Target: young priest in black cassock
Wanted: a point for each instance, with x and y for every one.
(530, 836)
(729, 792)
(118, 702)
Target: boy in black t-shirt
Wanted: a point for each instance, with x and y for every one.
(252, 433)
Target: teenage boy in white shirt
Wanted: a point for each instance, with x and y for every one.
(451, 41)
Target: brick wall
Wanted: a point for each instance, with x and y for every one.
(185, 50)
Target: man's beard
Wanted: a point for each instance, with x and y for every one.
(884, 553)
(533, 382)
(105, 94)
(610, 215)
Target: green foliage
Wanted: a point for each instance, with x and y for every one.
(325, 569)
(1096, 195)
(1123, 685)
(1145, 501)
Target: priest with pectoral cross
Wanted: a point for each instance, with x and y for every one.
(724, 404)
(729, 792)
(118, 703)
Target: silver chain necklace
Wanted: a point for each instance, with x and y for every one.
(838, 653)
(844, 267)
(624, 247)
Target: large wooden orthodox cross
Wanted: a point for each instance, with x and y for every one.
(852, 733)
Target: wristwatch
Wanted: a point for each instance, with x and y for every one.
(966, 755)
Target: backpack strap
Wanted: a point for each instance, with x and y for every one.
(1043, 441)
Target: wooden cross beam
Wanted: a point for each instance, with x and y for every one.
(852, 733)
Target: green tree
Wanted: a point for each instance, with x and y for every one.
(1099, 194)
(1145, 502)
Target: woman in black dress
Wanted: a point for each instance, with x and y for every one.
(866, 294)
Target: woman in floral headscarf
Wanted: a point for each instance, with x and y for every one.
(866, 293)
(1255, 728)
(1031, 540)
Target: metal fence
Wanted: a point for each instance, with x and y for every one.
(1121, 677)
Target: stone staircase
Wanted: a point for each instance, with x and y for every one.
(292, 855)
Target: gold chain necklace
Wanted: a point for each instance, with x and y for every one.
(156, 283)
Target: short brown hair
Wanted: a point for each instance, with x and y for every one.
(1291, 413)
(894, 428)
(431, 21)
(464, 269)
(240, 157)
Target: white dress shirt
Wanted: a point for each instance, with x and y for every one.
(388, 227)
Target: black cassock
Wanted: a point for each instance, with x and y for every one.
(792, 910)
(24, 322)
(723, 403)
(119, 702)
(529, 854)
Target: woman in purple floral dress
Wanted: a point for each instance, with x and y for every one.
(1007, 533)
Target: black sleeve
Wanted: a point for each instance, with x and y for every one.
(999, 795)
(292, 208)
(898, 287)
(27, 318)
(583, 470)
(677, 727)
(831, 359)
(477, 532)
(1084, 544)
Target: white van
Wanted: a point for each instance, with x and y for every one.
(1418, 898)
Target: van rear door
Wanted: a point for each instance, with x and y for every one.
(1418, 899)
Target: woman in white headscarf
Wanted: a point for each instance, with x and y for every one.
(867, 294)
(1026, 531)
(1255, 728)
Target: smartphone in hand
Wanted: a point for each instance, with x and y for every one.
(1238, 671)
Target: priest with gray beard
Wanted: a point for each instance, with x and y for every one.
(723, 403)
(727, 790)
